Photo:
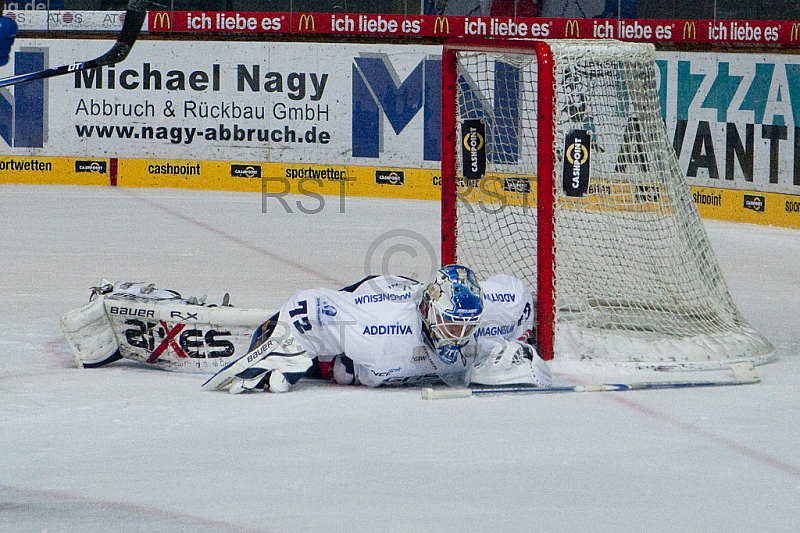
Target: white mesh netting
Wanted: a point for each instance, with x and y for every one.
(636, 279)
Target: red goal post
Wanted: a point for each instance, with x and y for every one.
(545, 170)
(556, 168)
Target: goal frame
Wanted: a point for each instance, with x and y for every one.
(646, 291)
(545, 182)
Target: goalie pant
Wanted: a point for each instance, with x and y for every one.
(370, 333)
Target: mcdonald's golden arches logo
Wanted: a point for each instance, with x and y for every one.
(162, 20)
(572, 29)
(441, 25)
(689, 30)
(307, 22)
(794, 34)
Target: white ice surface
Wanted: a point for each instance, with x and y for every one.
(127, 449)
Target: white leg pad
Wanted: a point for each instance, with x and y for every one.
(90, 335)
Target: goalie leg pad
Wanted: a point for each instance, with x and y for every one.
(90, 335)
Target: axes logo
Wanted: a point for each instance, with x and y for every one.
(179, 341)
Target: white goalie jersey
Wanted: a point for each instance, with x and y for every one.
(376, 327)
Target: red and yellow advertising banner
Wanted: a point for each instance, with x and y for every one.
(730, 32)
(727, 32)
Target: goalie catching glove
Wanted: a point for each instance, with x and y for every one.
(511, 362)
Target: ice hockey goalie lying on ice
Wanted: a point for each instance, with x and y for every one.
(381, 331)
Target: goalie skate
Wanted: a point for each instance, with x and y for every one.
(277, 343)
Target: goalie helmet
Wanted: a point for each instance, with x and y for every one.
(451, 308)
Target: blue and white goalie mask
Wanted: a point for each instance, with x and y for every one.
(451, 307)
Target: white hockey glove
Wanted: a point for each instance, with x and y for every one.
(344, 372)
(256, 378)
(512, 363)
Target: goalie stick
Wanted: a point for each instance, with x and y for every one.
(743, 374)
(134, 18)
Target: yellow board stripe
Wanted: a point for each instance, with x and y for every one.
(277, 179)
(53, 171)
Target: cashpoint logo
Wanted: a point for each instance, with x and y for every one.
(755, 202)
(99, 167)
(246, 171)
(576, 163)
(390, 177)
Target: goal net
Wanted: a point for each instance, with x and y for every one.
(557, 169)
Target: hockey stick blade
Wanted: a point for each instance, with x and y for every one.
(743, 374)
(134, 19)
